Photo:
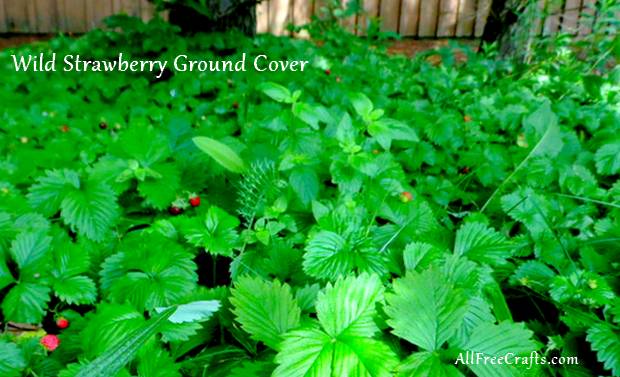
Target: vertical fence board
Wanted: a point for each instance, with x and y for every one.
(371, 9)
(16, 16)
(587, 17)
(147, 10)
(409, 16)
(31, 12)
(537, 25)
(75, 16)
(349, 22)
(302, 11)
(46, 16)
(389, 15)
(571, 16)
(278, 16)
(552, 23)
(3, 27)
(448, 10)
(130, 7)
(466, 19)
(262, 17)
(484, 7)
(429, 10)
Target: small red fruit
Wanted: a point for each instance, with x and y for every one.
(50, 342)
(328, 72)
(103, 125)
(235, 105)
(62, 323)
(64, 128)
(194, 201)
(465, 170)
(406, 197)
(174, 210)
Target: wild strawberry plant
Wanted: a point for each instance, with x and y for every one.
(373, 216)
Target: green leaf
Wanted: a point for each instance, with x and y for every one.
(308, 113)
(362, 105)
(92, 210)
(425, 309)
(217, 234)
(196, 311)
(385, 130)
(330, 255)
(26, 303)
(427, 364)
(311, 352)
(111, 361)
(482, 244)
(606, 342)
(608, 159)
(76, 290)
(498, 340)
(265, 309)
(221, 153)
(11, 359)
(47, 194)
(160, 192)
(276, 92)
(28, 249)
(305, 183)
(348, 307)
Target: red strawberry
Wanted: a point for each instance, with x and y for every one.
(64, 128)
(103, 125)
(50, 342)
(465, 170)
(174, 210)
(406, 197)
(328, 72)
(62, 323)
(194, 201)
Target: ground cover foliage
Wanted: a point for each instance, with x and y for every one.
(372, 216)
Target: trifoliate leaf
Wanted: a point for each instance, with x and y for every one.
(329, 255)
(425, 309)
(265, 309)
(217, 233)
(480, 243)
(26, 303)
(161, 191)
(348, 307)
(92, 210)
(311, 352)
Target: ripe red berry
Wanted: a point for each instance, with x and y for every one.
(103, 125)
(64, 128)
(194, 201)
(62, 323)
(465, 170)
(328, 72)
(50, 342)
(174, 210)
(406, 197)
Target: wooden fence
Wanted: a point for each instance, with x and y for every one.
(417, 18)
